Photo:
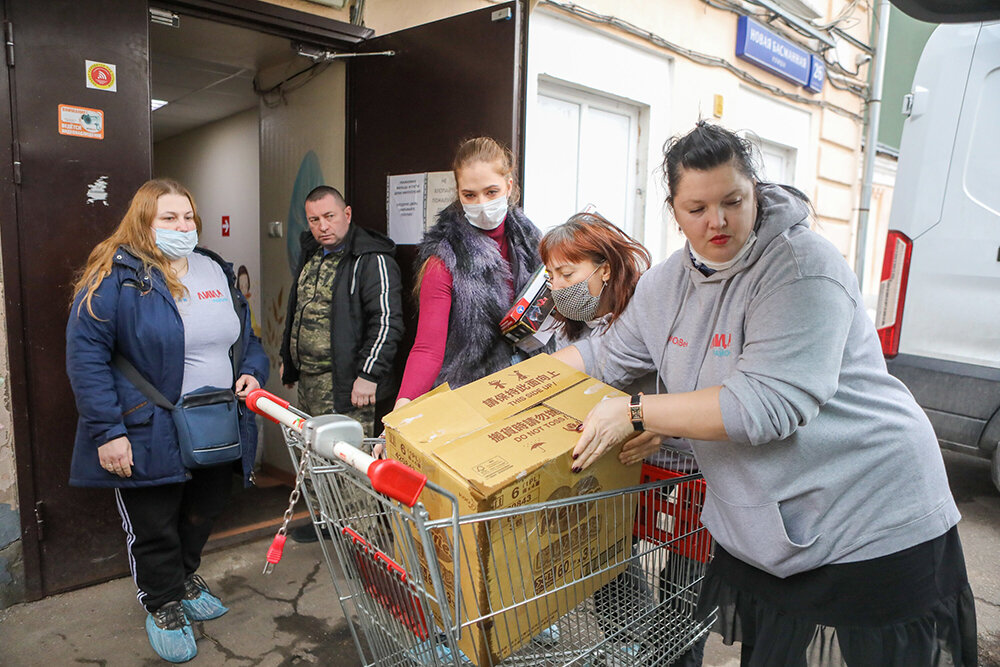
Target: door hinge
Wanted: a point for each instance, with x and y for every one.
(40, 519)
(16, 151)
(8, 38)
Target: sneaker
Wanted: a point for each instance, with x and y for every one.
(170, 634)
(307, 533)
(199, 603)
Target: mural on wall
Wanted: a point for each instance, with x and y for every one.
(243, 283)
(309, 176)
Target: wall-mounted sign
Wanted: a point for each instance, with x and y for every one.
(817, 74)
(413, 202)
(405, 207)
(81, 122)
(225, 225)
(763, 48)
(101, 76)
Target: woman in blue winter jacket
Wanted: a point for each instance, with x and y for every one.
(173, 311)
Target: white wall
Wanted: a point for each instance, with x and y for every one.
(219, 164)
(575, 55)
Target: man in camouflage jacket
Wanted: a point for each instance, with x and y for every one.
(345, 315)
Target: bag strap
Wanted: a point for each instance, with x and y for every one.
(141, 383)
(238, 345)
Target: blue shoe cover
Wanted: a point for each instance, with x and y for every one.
(198, 601)
(205, 607)
(175, 643)
(548, 636)
(435, 651)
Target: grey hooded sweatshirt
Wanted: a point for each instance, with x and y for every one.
(829, 458)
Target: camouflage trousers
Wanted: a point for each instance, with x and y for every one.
(316, 398)
(351, 505)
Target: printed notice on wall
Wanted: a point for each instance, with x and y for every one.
(440, 193)
(405, 207)
(81, 122)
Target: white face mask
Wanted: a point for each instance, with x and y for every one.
(487, 216)
(721, 266)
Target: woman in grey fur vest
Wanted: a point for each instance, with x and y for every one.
(473, 262)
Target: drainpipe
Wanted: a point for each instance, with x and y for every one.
(871, 141)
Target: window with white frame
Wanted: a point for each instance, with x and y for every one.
(778, 163)
(584, 150)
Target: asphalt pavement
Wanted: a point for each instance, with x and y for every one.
(293, 617)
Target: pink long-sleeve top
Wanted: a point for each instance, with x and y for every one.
(425, 360)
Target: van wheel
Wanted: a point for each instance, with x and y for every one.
(995, 473)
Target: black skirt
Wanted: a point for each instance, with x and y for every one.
(913, 608)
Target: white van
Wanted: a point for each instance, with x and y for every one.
(939, 301)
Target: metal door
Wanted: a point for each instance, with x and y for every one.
(83, 151)
(449, 80)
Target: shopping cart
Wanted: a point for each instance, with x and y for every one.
(413, 588)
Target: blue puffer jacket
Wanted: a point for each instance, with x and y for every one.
(137, 316)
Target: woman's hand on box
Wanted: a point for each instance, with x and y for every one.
(606, 425)
(635, 450)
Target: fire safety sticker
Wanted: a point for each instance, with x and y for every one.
(81, 122)
(101, 76)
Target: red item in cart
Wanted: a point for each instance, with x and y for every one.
(674, 518)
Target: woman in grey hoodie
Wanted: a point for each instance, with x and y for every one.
(828, 500)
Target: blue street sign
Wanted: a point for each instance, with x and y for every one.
(776, 54)
(817, 74)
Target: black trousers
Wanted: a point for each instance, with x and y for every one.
(166, 528)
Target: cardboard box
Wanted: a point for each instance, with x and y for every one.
(502, 442)
(529, 323)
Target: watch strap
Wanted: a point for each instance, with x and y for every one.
(635, 412)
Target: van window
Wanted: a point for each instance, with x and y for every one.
(980, 170)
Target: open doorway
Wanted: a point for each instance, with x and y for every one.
(221, 96)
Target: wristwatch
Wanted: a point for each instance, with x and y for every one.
(635, 412)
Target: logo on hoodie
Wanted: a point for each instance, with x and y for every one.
(720, 344)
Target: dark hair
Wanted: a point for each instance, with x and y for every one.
(323, 191)
(486, 149)
(708, 146)
(704, 148)
(593, 237)
(240, 272)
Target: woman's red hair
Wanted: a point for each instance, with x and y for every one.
(589, 236)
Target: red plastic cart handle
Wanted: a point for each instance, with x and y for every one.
(274, 408)
(387, 476)
(262, 393)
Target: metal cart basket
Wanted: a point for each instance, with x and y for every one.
(456, 590)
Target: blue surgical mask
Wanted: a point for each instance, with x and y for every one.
(175, 244)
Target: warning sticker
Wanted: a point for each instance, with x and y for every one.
(101, 76)
(81, 122)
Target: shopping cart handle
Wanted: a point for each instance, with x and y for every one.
(388, 476)
(273, 407)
